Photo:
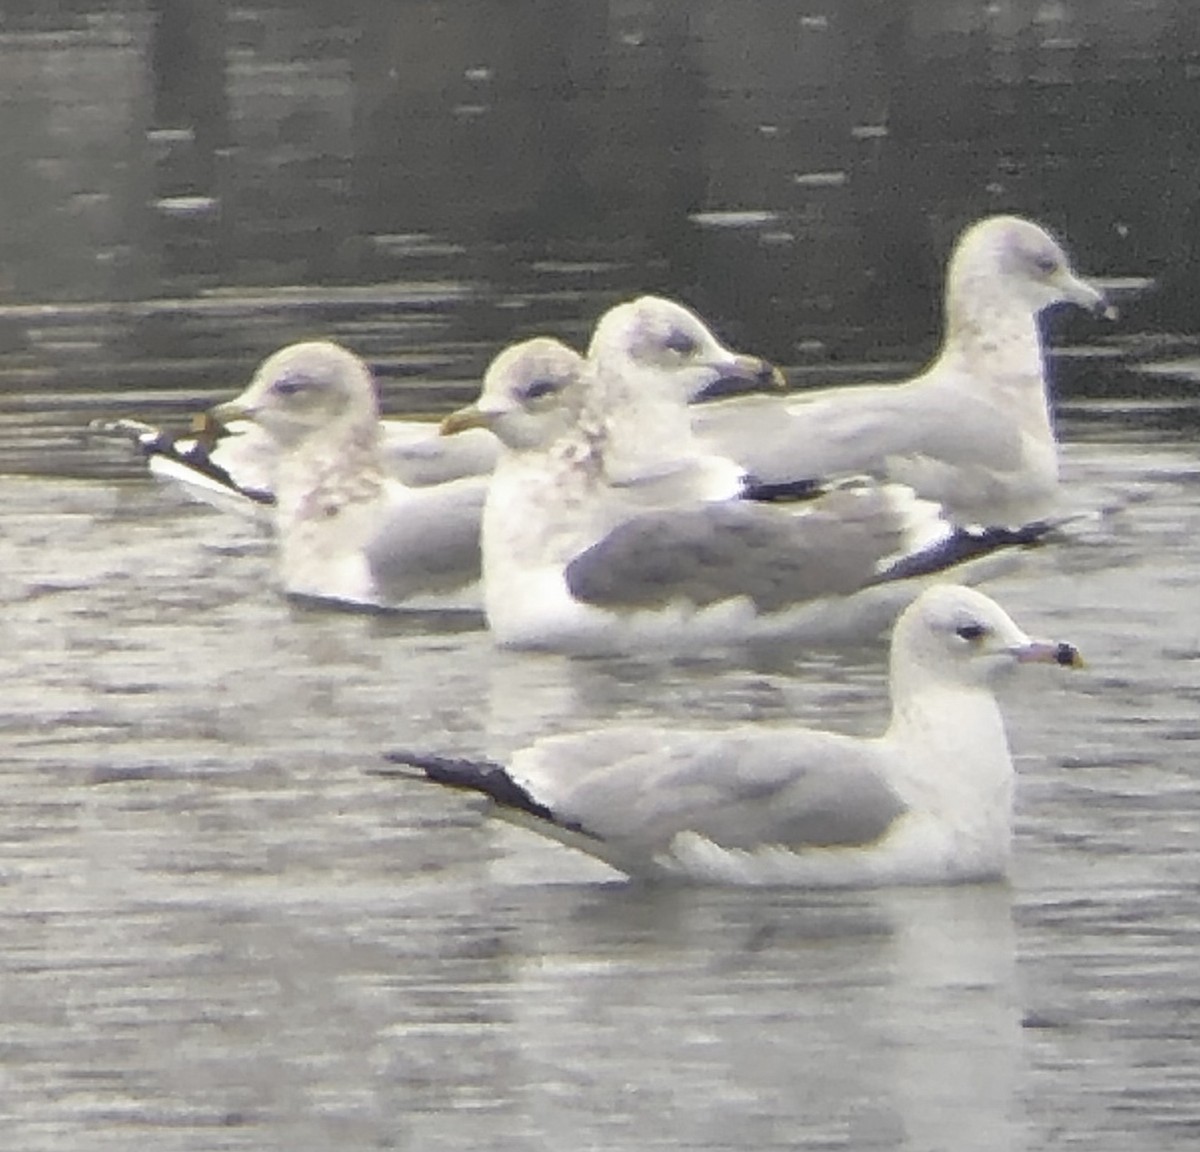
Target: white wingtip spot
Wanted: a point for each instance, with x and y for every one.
(923, 524)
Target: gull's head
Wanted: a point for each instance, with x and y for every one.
(661, 344)
(1009, 260)
(304, 388)
(531, 395)
(951, 634)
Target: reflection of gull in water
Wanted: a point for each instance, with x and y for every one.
(608, 526)
(346, 531)
(974, 431)
(929, 801)
(903, 1025)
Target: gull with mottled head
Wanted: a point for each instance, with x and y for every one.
(648, 360)
(347, 531)
(665, 552)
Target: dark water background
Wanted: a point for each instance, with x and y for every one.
(218, 932)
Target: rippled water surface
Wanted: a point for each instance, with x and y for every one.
(219, 930)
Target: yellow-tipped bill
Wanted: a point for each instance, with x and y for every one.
(472, 416)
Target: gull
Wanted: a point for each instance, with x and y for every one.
(649, 359)
(606, 526)
(346, 531)
(974, 431)
(929, 801)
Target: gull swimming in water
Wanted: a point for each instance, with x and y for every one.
(973, 432)
(346, 530)
(607, 526)
(930, 801)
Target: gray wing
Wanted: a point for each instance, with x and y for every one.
(416, 454)
(832, 546)
(862, 430)
(428, 541)
(641, 787)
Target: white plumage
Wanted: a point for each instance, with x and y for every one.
(608, 526)
(928, 801)
(974, 432)
(346, 530)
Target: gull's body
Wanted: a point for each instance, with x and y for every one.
(928, 801)
(974, 432)
(346, 530)
(608, 526)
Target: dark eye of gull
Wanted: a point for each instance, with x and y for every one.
(971, 631)
(680, 342)
(288, 385)
(1046, 263)
(538, 389)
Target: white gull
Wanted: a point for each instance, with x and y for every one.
(929, 801)
(974, 431)
(346, 530)
(607, 526)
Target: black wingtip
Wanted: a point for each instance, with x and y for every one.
(964, 545)
(484, 776)
(195, 455)
(153, 442)
(784, 492)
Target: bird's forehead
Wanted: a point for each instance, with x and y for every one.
(516, 368)
(666, 319)
(952, 608)
(1031, 240)
(312, 364)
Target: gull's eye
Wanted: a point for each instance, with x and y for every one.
(971, 632)
(680, 343)
(1046, 264)
(288, 385)
(538, 389)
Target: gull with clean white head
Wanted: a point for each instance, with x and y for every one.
(929, 801)
(974, 431)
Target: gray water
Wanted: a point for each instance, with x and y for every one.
(218, 930)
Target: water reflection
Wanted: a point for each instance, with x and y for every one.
(879, 1020)
(798, 177)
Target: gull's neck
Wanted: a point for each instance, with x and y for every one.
(323, 472)
(541, 507)
(647, 432)
(957, 767)
(993, 339)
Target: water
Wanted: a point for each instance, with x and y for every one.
(220, 931)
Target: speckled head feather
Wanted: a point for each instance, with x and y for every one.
(532, 394)
(304, 388)
(659, 336)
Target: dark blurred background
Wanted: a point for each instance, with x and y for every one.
(189, 183)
